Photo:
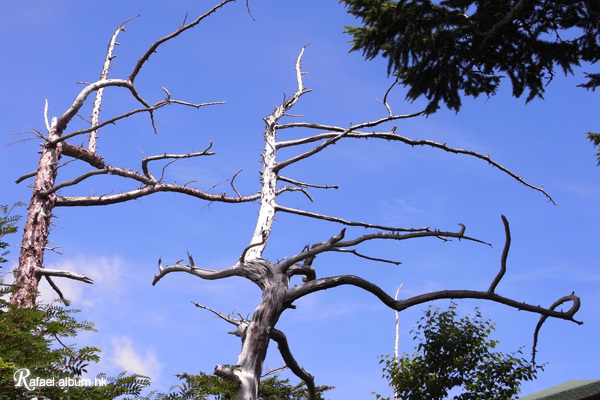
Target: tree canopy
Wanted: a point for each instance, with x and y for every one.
(443, 50)
(457, 353)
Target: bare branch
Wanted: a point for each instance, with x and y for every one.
(335, 243)
(307, 271)
(204, 273)
(74, 181)
(243, 256)
(400, 305)
(274, 371)
(71, 201)
(233, 186)
(156, 106)
(57, 290)
(284, 349)
(46, 116)
(250, 12)
(352, 251)
(394, 136)
(396, 355)
(66, 117)
(312, 252)
(504, 256)
(63, 274)
(85, 155)
(352, 128)
(151, 185)
(576, 303)
(223, 316)
(103, 75)
(384, 101)
(411, 235)
(345, 222)
(268, 193)
(160, 41)
(301, 184)
(26, 176)
(282, 164)
(164, 156)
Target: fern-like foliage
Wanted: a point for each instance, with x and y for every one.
(32, 345)
(8, 225)
(33, 340)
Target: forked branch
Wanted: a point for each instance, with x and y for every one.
(335, 243)
(204, 273)
(164, 156)
(284, 349)
(63, 274)
(400, 305)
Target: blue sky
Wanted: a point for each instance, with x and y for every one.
(337, 335)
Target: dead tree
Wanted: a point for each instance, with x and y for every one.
(272, 278)
(55, 146)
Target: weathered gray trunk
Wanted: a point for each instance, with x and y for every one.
(257, 334)
(36, 231)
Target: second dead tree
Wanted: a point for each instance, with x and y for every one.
(272, 278)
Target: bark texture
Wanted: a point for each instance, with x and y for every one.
(37, 224)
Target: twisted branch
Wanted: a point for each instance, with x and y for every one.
(504, 256)
(400, 305)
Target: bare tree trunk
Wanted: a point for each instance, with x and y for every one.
(37, 225)
(257, 333)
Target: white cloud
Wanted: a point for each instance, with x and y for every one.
(126, 356)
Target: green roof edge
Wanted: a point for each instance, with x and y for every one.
(571, 390)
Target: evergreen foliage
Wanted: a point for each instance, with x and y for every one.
(204, 387)
(456, 354)
(595, 139)
(442, 50)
